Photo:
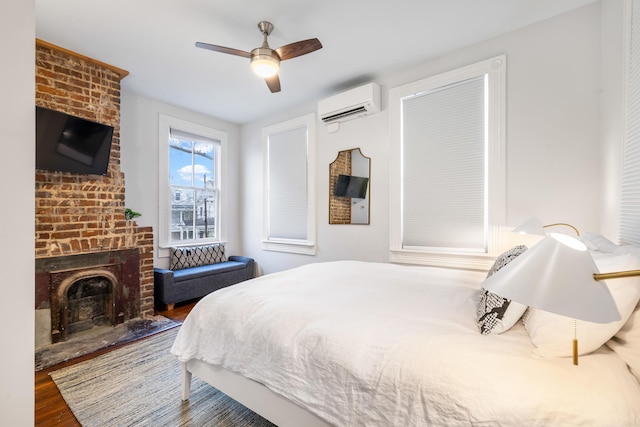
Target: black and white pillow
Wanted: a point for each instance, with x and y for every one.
(195, 256)
(495, 313)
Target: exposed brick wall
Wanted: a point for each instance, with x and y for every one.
(77, 213)
(339, 207)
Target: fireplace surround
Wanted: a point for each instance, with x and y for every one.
(105, 291)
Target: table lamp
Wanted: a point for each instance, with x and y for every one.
(559, 275)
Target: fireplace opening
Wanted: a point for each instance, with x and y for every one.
(83, 299)
(89, 304)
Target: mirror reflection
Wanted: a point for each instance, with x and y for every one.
(349, 188)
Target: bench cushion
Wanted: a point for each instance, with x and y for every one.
(206, 270)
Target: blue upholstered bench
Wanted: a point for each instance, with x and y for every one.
(197, 271)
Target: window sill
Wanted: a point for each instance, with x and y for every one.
(290, 246)
(462, 261)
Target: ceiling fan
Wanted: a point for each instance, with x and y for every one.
(266, 61)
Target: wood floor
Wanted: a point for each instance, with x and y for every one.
(50, 407)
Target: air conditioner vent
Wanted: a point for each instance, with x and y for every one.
(342, 115)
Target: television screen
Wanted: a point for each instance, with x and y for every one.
(351, 186)
(71, 144)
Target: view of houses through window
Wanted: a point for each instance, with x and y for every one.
(194, 185)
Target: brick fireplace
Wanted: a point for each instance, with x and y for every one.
(93, 266)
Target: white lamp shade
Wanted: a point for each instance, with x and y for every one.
(556, 275)
(531, 226)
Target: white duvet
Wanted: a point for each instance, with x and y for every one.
(372, 344)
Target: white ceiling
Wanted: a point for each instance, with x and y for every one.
(154, 40)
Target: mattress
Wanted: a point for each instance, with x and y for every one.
(376, 344)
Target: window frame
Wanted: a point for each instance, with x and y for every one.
(290, 245)
(166, 123)
(495, 69)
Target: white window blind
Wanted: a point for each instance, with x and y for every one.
(444, 177)
(289, 220)
(630, 195)
(287, 191)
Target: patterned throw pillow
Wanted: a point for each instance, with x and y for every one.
(495, 313)
(195, 256)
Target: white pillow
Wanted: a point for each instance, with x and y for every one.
(552, 334)
(496, 314)
(597, 242)
(627, 342)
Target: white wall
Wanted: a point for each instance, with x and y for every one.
(139, 161)
(553, 149)
(17, 118)
(612, 114)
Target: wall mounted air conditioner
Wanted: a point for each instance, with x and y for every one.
(351, 104)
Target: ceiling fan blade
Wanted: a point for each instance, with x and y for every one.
(223, 49)
(273, 83)
(298, 48)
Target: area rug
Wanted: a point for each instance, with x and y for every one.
(100, 338)
(139, 385)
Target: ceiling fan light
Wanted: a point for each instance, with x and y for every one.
(265, 65)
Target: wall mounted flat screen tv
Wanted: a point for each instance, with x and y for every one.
(351, 186)
(71, 144)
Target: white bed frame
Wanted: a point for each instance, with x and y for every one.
(251, 394)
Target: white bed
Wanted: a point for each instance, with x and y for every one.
(351, 343)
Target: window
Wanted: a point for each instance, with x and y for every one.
(447, 167)
(289, 186)
(191, 183)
